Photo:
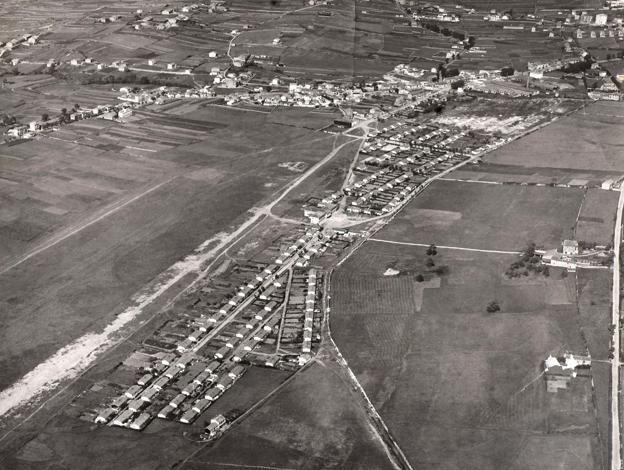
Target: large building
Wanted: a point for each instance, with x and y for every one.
(601, 19)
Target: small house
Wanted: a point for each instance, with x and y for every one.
(570, 247)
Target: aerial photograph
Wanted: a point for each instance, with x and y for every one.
(311, 234)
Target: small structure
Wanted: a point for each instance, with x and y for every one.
(137, 405)
(190, 416)
(142, 421)
(213, 393)
(570, 247)
(177, 400)
(166, 412)
(236, 372)
(123, 418)
(144, 380)
(105, 415)
(133, 391)
(149, 394)
(201, 405)
(559, 371)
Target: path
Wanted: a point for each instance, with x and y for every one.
(72, 230)
(461, 248)
(70, 362)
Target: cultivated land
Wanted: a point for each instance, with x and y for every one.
(487, 217)
(199, 188)
(457, 386)
(106, 221)
(311, 423)
(582, 141)
(596, 220)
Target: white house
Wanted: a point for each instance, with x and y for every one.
(570, 247)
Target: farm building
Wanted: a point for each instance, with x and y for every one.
(149, 394)
(120, 401)
(145, 379)
(165, 412)
(123, 418)
(236, 372)
(142, 421)
(161, 382)
(172, 372)
(133, 391)
(190, 416)
(570, 247)
(201, 405)
(136, 405)
(105, 415)
(212, 367)
(213, 393)
(178, 400)
(225, 382)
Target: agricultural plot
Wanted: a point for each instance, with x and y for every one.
(527, 6)
(513, 174)
(457, 386)
(582, 141)
(487, 217)
(284, 432)
(597, 217)
(198, 186)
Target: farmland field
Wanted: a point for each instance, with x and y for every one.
(582, 141)
(597, 217)
(459, 387)
(200, 182)
(285, 432)
(485, 216)
(494, 172)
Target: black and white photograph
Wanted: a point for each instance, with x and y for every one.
(311, 234)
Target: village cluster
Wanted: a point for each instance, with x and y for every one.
(272, 319)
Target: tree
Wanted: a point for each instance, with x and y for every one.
(457, 84)
(420, 278)
(493, 307)
(507, 71)
(529, 251)
(430, 263)
(432, 250)
(45, 117)
(64, 111)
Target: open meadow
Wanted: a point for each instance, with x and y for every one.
(584, 140)
(460, 387)
(311, 423)
(87, 220)
(487, 216)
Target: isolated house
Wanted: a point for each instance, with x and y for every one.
(570, 247)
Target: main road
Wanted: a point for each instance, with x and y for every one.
(616, 463)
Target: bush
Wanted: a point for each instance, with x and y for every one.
(432, 250)
(493, 307)
(420, 278)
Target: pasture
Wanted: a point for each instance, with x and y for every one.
(459, 387)
(582, 141)
(124, 204)
(486, 216)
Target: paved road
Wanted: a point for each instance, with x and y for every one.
(616, 463)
